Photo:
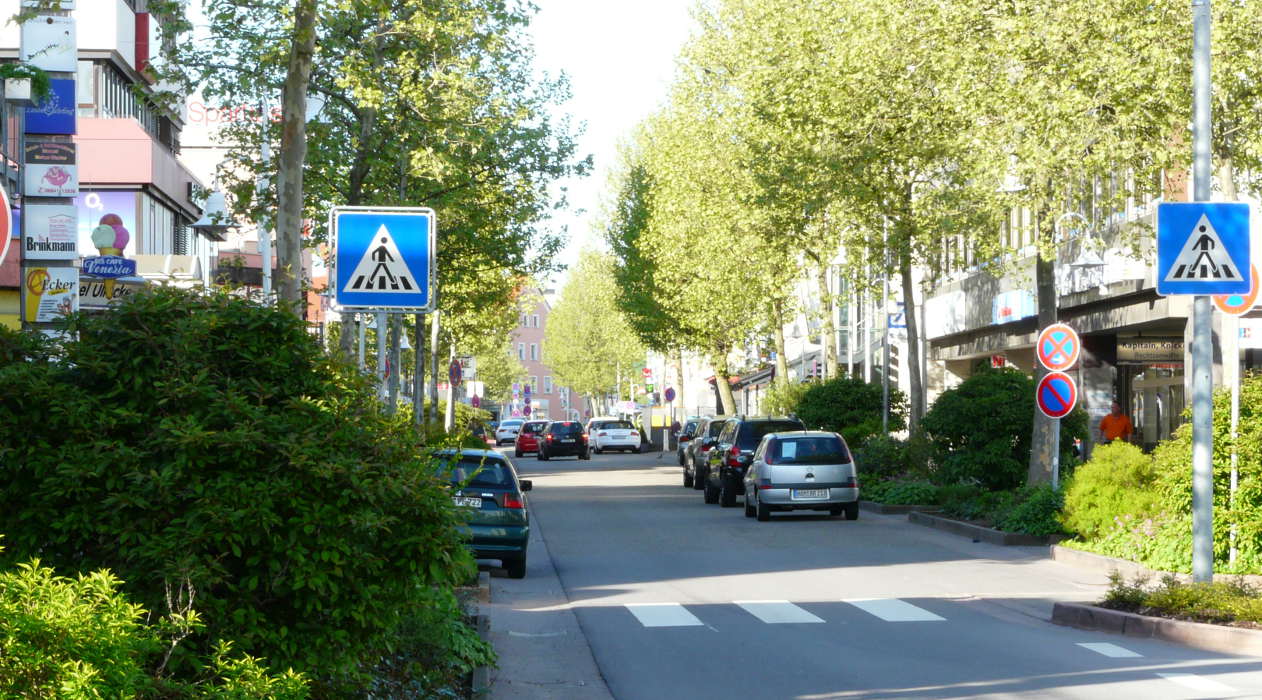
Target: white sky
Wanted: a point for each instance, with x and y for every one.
(620, 58)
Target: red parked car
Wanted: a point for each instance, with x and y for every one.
(528, 437)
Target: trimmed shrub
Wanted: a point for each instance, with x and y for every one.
(783, 398)
(1118, 481)
(199, 444)
(882, 456)
(911, 493)
(1035, 511)
(850, 407)
(982, 428)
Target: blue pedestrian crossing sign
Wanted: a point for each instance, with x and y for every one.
(383, 259)
(1203, 248)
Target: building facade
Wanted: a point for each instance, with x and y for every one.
(548, 399)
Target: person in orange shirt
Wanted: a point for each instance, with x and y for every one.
(1115, 425)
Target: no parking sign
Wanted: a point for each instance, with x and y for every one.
(1056, 394)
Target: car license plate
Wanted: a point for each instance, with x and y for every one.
(468, 501)
(569, 440)
(799, 494)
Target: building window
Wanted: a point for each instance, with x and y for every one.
(523, 320)
(547, 385)
(534, 320)
(521, 351)
(534, 384)
(534, 352)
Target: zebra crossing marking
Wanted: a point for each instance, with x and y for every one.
(777, 612)
(663, 615)
(894, 610)
(1195, 682)
(1112, 651)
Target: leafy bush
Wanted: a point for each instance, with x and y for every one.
(911, 493)
(1118, 481)
(82, 638)
(1035, 511)
(783, 398)
(1222, 602)
(200, 444)
(882, 455)
(850, 407)
(982, 430)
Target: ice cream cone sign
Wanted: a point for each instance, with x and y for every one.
(110, 237)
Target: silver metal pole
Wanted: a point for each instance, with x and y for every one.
(418, 380)
(392, 382)
(433, 366)
(449, 418)
(1202, 332)
(1231, 354)
(885, 342)
(260, 184)
(360, 322)
(381, 355)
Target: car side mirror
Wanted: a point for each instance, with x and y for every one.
(526, 484)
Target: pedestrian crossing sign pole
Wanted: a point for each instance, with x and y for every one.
(383, 259)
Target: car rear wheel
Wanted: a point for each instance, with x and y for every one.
(727, 493)
(851, 511)
(711, 494)
(687, 479)
(587, 454)
(763, 512)
(698, 478)
(543, 456)
(516, 568)
(517, 452)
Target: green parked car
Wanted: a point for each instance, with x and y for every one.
(485, 483)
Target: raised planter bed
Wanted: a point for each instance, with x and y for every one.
(1222, 638)
(981, 534)
(885, 509)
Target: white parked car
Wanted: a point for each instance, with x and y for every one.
(507, 431)
(612, 434)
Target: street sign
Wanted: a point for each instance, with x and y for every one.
(1239, 304)
(1056, 394)
(475, 401)
(455, 372)
(1202, 248)
(647, 372)
(898, 318)
(1058, 347)
(670, 394)
(383, 259)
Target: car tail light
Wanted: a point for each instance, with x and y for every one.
(851, 483)
(513, 502)
(602, 434)
(734, 457)
(549, 437)
(706, 448)
(764, 484)
(584, 436)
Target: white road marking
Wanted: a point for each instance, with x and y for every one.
(663, 615)
(1112, 651)
(1195, 682)
(775, 612)
(894, 610)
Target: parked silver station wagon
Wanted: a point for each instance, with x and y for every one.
(804, 470)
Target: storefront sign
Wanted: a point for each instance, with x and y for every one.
(51, 232)
(109, 266)
(1145, 350)
(100, 293)
(54, 113)
(1013, 306)
(50, 169)
(50, 293)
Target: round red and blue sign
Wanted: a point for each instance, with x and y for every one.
(1239, 304)
(670, 394)
(1056, 394)
(1058, 347)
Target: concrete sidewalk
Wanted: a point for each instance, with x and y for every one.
(543, 653)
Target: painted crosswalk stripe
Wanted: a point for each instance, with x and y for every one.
(777, 612)
(663, 615)
(1110, 650)
(1195, 682)
(893, 610)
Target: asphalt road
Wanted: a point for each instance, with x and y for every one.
(679, 599)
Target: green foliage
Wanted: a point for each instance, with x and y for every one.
(982, 429)
(1118, 481)
(784, 397)
(434, 650)
(81, 638)
(1221, 602)
(911, 493)
(1035, 511)
(207, 450)
(851, 407)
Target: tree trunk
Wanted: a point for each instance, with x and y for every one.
(722, 381)
(782, 363)
(1227, 177)
(828, 330)
(679, 381)
(293, 154)
(348, 333)
(913, 365)
(1043, 436)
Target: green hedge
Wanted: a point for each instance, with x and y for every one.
(205, 448)
(850, 407)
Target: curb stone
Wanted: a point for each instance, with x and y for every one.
(1199, 635)
(979, 533)
(480, 685)
(887, 509)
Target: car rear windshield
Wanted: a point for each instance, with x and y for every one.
(808, 450)
(751, 433)
(533, 427)
(616, 425)
(690, 428)
(510, 424)
(490, 472)
(715, 428)
(567, 428)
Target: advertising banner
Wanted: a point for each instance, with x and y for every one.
(50, 169)
(51, 232)
(50, 293)
(101, 293)
(49, 43)
(55, 113)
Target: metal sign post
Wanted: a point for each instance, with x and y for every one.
(1202, 332)
(1057, 349)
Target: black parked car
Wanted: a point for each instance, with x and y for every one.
(562, 438)
(734, 451)
(696, 454)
